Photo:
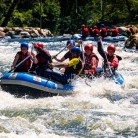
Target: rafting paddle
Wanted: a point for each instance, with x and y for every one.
(60, 51)
(20, 63)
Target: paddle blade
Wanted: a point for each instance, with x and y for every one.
(118, 78)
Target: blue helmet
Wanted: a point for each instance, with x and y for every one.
(102, 25)
(71, 41)
(76, 50)
(24, 45)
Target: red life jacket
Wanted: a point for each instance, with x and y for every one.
(25, 66)
(103, 32)
(88, 61)
(42, 62)
(113, 59)
(96, 31)
(115, 32)
(85, 32)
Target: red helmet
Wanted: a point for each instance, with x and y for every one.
(111, 47)
(41, 45)
(88, 47)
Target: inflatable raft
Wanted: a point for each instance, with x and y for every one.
(21, 84)
(42, 39)
(116, 77)
(106, 39)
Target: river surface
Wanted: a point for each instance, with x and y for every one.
(100, 109)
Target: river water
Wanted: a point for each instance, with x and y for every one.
(100, 109)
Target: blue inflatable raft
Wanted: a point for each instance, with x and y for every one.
(21, 84)
(116, 77)
(106, 39)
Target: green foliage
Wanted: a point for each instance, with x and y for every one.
(3, 9)
(21, 19)
(92, 12)
(67, 16)
(51, 14)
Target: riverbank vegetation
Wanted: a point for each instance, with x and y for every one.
(67, 16)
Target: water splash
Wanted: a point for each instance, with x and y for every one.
(99, 109)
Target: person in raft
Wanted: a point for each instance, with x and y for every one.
(110, 58)
(84, 31)
(20, 56)
(91, 60)
(103, 31)
(114, 31)
(72, 68)
(43, 57)
(95, 31)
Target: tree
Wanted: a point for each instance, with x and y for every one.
(9, 13)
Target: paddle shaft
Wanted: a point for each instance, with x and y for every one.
(109, 65)
(60, 51)
(84, 64)
(19, 63)
(83, 53)
(22, 61)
